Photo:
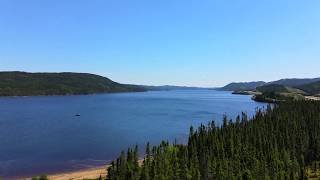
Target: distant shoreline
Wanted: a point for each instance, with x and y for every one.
(92, 94)
(63, 95)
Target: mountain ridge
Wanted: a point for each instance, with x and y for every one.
(242, 86)
(280, 90)
(249, 86)
(293, 82)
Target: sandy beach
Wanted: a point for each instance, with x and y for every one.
(91, 173)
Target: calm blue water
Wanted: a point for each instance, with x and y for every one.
(42, 134)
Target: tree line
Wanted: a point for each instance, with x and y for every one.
(279, 142)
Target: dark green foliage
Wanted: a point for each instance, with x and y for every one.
(294, 82)
(275, 92)
(278, 143)
(42, 177)
(312, 88)
(271, 88)
(273, 97)
(29, 84)
(126, 166)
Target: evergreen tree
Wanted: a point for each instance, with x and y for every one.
(279, 142)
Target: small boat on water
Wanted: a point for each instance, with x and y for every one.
(77, 115)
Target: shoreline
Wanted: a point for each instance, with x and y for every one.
(80, 174)
(63, 95)
(89, 173)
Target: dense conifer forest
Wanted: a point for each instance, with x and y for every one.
(280, 142)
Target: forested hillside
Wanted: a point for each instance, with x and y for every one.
(311, 88)
(278, 143)
(277, 90)
(242, 86)
(29, 84)
(294, 82)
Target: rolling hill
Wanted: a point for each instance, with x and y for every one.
(249, 86)
(276, 92)
(34, 84)
(270, 88)
(242, 86)
(294, 82)
(281, 90)
(311, 88)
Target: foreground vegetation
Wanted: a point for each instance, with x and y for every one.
(34, 84)
(313, 171)
(278, 143)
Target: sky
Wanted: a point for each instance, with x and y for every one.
(205, 43)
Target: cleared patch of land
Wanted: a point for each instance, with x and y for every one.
(313, 98)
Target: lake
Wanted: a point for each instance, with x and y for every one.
(41, 135)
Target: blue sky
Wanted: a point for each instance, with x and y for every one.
(183, 42)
